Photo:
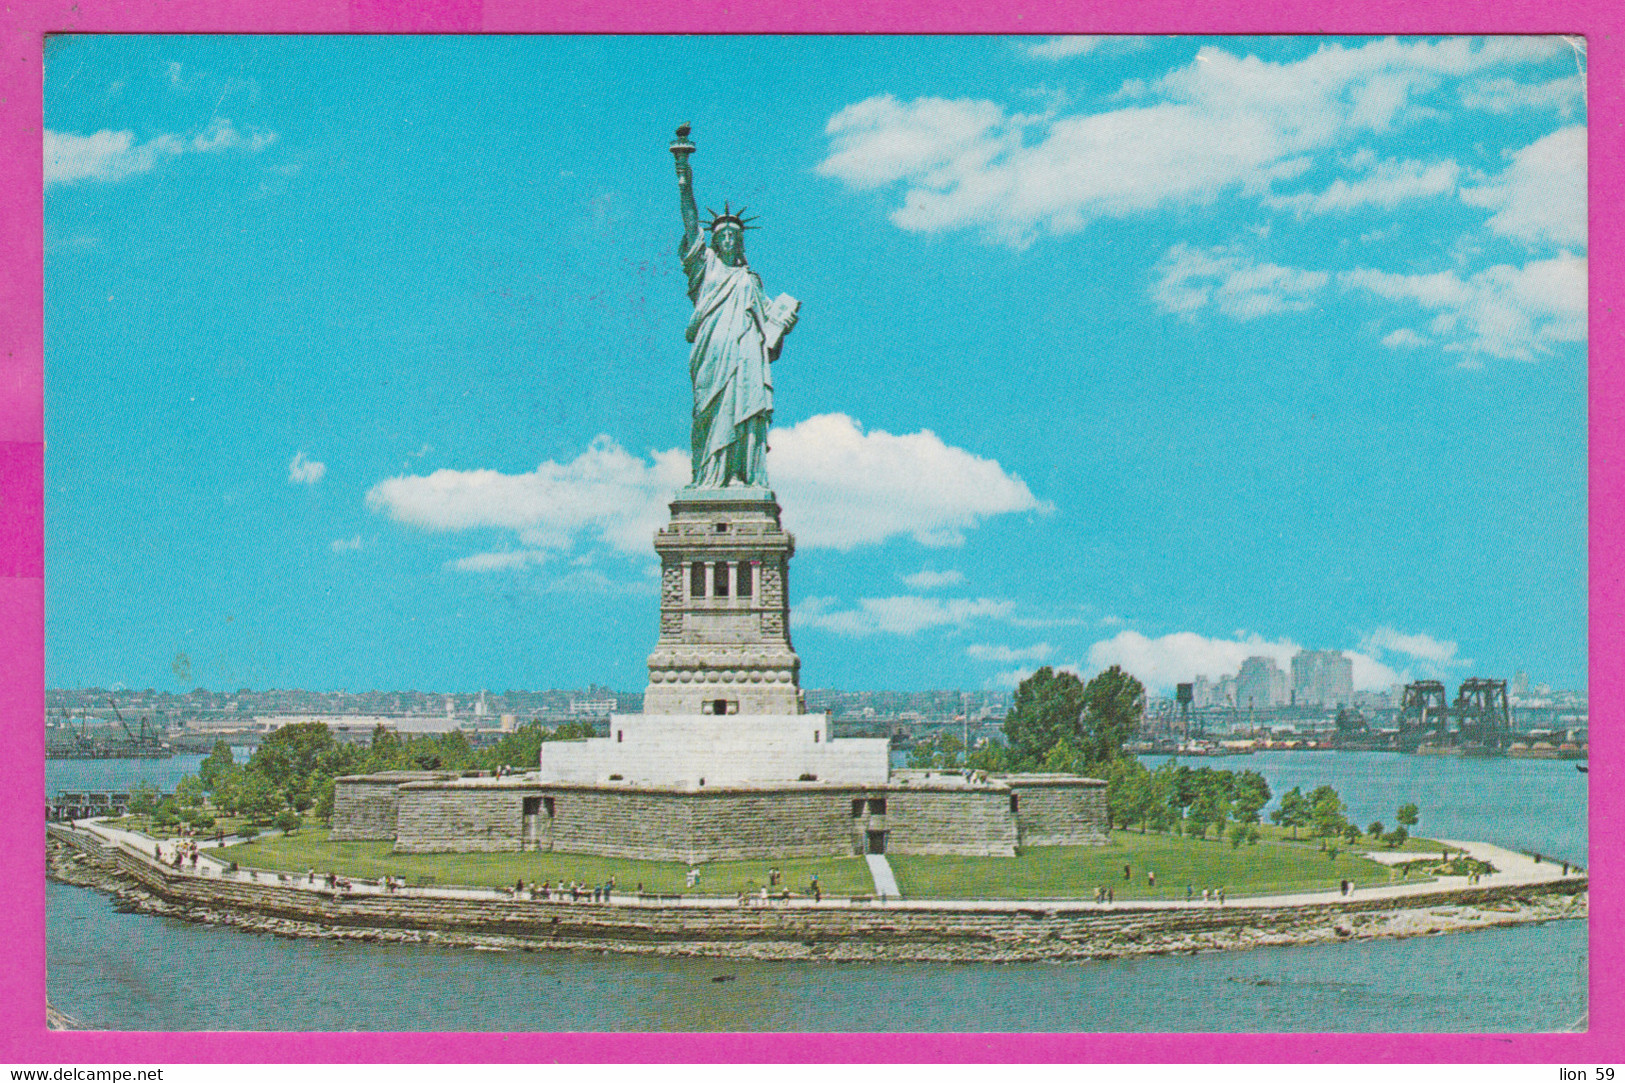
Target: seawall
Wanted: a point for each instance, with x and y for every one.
(838, 931)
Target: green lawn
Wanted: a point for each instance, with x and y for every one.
(312, 848)
(1275, 865)
(1271, 867)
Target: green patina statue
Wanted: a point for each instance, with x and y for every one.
(736, 332)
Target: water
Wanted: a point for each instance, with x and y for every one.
(139, 972)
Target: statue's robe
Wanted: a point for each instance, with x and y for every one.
(730, 367)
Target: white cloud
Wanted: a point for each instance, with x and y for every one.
(604, 493)
(841, 488)
(898, 615)
(1502, 95)
(1503, 311)
(506, 560)
(1165, 661)
(989, 652)
(1541, 195)
(1223, 124)
(346, 545)
(1191, 278)
(110, 156)
(1387, 184)
(303, 471)
(926, 579)
(1403, 339)
(1070, 45)
(1417, 645)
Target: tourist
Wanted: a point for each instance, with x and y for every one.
(1150, 878)
(1111, 896)
(1126, 871)
(1221, 896)
(817, 892)
(1189, 894)
(1204, 896)
(1565, 868)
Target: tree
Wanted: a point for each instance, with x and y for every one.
(1113, 707)
(143, 799)
(989, 756)
(945, 750)
(256, 800)
(1375, 829)
(189, 792)
(215, 765)
(1396, 838)
(1063, 758)
(1252, 793)
(287, 821)
(1208, 810)
(1408, 814)
(1128, 792)
(1046, 707)
(1293, 811)
(1327, 813)
(522, 748)
(1351, 833)
(324, 802)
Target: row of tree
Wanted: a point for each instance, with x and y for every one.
(292, 770)
(1059, 723)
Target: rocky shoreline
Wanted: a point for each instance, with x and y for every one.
(1031, 933)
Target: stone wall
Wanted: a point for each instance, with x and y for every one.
(441, 817)
(945, 931)
(365, 807)
(1060, 812)
(719, 823)
(966, 820)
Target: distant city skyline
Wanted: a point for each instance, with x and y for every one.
(365, 362)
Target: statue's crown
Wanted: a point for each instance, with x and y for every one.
(729, 219)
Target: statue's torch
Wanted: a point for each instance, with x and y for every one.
(681, 148)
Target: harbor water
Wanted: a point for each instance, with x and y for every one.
(130, 971)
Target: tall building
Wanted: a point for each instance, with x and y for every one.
(1260, 683)
(1322, 679)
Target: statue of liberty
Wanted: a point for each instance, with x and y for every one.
(736, 334)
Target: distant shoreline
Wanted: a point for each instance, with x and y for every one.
(940, 931)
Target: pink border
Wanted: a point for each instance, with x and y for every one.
(22, 979)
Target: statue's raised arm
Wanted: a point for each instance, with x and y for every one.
(736, 333)
(681, 148)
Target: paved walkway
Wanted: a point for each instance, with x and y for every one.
(885, 880)
(1512, 869)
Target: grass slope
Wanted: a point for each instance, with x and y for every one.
(1274, 866)
(313, 848)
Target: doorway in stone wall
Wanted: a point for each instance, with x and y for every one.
(531, 835)
(874, 842)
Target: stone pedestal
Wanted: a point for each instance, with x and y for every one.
(724, 646)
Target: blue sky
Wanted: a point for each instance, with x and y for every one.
(364, 357)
